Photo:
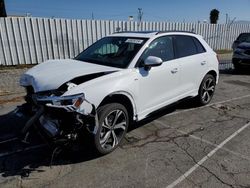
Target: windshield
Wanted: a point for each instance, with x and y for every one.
(112, 51)
(244, 37)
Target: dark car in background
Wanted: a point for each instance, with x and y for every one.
(241, 51)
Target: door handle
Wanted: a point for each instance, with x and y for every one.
(203, 63)
(175, 70)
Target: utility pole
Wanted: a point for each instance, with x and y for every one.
(92, 16)
(140, 14)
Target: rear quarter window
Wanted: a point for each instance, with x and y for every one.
(187, 46)
(200, 48)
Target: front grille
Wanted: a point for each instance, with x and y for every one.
(247, 52)
(29, 93)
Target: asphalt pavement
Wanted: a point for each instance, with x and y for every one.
(182, 146)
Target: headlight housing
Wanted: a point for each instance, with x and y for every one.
(69, 103)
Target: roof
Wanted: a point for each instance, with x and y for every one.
(147, 34)
(140, 34)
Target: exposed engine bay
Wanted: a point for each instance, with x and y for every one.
(59, 118)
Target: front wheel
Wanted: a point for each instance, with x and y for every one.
(113, 125)
(206, 90)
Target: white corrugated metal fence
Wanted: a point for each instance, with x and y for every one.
(34, 40)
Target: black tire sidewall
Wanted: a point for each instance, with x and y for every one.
(103, 111)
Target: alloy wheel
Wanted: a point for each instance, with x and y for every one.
(208, 90)
(112, 129)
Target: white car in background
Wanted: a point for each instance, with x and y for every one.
(119, 79)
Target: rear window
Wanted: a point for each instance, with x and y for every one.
(187, 46)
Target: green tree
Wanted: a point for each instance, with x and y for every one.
(214, 16)
(2, 9)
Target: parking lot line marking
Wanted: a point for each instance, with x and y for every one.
(205, 141)
(220, 102)
(210, 154)
(225, 149)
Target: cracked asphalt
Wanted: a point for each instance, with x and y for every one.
(181, 144)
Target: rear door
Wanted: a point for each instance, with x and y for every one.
(192, 60)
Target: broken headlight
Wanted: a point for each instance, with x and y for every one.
(69, 103)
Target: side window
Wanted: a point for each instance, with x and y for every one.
(161, 47)
(244, 37)
(185, 46)
(199, 47)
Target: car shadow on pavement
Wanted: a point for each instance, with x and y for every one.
(26, 160)
(18, 158)
(234, 72)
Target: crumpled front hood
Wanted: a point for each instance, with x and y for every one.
(53, 73)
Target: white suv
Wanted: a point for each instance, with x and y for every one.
(119, 79)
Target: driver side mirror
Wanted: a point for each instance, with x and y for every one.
(152, 61)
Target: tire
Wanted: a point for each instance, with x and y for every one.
(206, 90)
(113, 125)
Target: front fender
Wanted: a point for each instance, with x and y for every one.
(122, 82)
(130, 97)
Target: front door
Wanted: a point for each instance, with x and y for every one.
(158, 86)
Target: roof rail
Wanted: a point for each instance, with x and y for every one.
(170, 31)
(156, 32)
(143, 32)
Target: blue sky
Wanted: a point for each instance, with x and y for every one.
(154, 10)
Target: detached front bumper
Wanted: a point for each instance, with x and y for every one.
(63, 116)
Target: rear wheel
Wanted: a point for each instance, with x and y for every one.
(113, 125)
(206, 90)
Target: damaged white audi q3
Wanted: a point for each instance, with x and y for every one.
(119, 79)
